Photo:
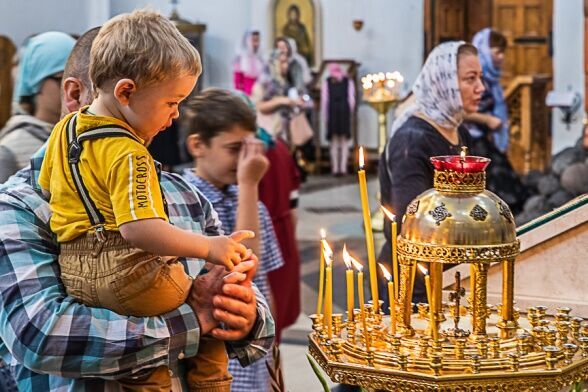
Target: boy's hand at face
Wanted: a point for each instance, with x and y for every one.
(252, 163)
(228, 251)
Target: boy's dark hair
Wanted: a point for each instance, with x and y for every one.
(497, 40)
(215, 110)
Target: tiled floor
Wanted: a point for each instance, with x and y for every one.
(332, 204)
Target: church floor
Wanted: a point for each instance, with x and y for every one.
(332, 204)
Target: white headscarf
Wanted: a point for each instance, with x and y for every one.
(436, 89)
(248, 61)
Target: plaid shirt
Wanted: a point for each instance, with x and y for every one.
(47, 336)
(254, 377)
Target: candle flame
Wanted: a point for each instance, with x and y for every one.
(349, 260)
(463, 153)
(387, 274)
(346, 257)
(328, 253)
(423, 269)
(361, 160)
(389, 214)
(323, 234)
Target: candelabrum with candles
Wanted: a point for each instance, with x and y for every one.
(382, 91)
(464, 344)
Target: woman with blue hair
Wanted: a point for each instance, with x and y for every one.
(38, 101)
(489, 127)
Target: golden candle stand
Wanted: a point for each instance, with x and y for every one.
(381, 91)
(494, 349)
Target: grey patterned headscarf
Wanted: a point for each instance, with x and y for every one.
(436, 89)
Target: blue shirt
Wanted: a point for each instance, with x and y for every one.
(53, 343)
(225, 201)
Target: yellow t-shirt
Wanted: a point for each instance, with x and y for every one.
(118, 172)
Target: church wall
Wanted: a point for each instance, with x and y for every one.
(391, 38)
(20, 19)
(568, 66)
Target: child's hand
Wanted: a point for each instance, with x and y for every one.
(252, 163)
(227, 251)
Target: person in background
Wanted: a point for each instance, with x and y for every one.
(248, 64)
(337, 105)
(229, 163)
(298, 73)
(118, 345)
(489, 126)
(448, 86)
(278, 191)
(38, 83)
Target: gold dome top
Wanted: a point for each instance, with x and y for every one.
(458, 221)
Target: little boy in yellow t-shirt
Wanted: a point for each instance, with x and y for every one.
(118, 249)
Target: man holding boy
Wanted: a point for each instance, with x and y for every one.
(221, 140)
(48, 332)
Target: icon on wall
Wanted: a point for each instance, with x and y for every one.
(295, 19)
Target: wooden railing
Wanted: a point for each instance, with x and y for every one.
(530, 135)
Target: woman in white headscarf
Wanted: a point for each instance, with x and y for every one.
(248, 64)
(448, 86)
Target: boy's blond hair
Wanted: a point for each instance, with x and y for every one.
(143, 46)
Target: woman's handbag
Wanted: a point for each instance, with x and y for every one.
(300, 130)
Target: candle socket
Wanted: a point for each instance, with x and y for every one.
(337, 348)
(494, 346)
(337, 324)
(403, 362)
(423, 347)
(317, 320)
(423, 310)
(513, 362)
(550, 337)
(559, 317)
(436, 363)
(539, 336)
(569, 352)
(564, 310)
(395, 342)
(482, 346)
(541, 310)
(575, 324)
(460, 344)
(583, 343)
(551, 356)
(475, 363)
(563, 328)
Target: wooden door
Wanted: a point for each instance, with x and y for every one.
(7, 50)
(527, 27)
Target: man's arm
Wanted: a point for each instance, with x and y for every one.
(48, 332)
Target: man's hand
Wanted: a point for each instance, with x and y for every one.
(252, 163)
(236, 305)
(204, 288)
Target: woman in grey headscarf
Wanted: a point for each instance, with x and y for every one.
(448, 86)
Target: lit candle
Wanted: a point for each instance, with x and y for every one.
(350, 289)
(369, 237)
(391, 298)
(319, 302)
(329, 295)
(393, 236)
(359, 268)
(430, 299)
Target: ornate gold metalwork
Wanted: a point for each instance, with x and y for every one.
(455, 182)
(412, 207)
(439, 213)
(456, 223)
(478, 213)
(456, 254)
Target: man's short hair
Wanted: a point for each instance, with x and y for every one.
(78, 63)
(143, 46)
(216, 110)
